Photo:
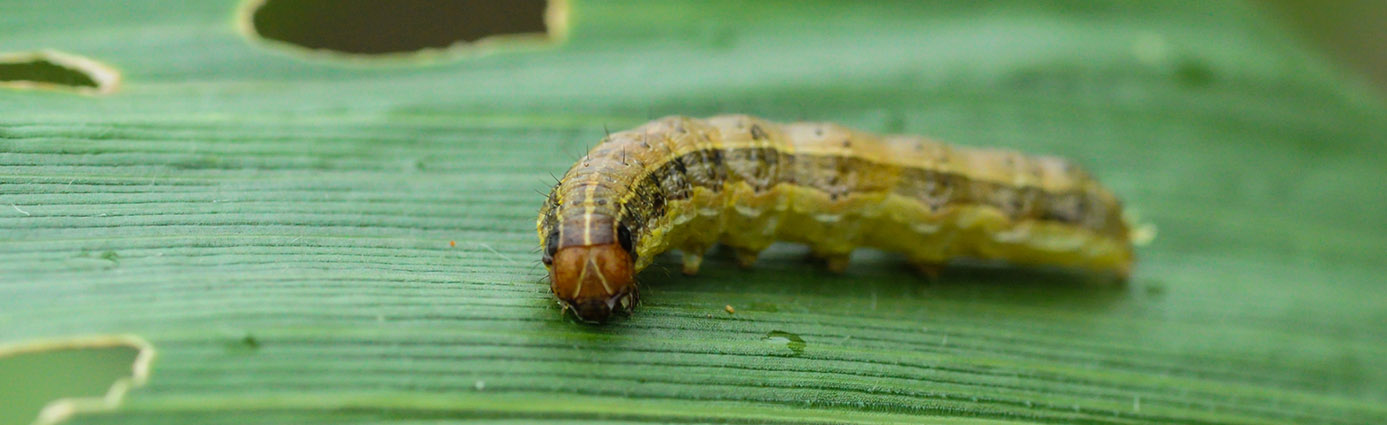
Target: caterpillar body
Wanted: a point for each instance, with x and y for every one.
(687, 184)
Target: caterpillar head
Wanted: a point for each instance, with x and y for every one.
(591, 268)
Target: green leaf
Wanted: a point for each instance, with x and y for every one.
(277, 224)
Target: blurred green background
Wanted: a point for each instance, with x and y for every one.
(277, 223)
(1351, 31)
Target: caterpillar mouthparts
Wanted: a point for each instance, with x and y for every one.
(687, 184)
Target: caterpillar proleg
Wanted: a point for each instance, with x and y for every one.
(687, 184)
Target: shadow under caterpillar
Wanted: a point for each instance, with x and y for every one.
(687, 184)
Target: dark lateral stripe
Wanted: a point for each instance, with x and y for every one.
(837, 176)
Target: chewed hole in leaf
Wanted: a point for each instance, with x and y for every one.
(373, 27)
(56, 70)
(51, 380)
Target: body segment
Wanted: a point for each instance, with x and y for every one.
(686, 184)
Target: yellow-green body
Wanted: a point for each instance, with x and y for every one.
(836, 189)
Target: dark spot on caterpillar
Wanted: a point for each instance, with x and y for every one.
(932, 188)
(672, 180)
(845, 171)
(551, 246)
(602, 202)
(764, 168)
(657, 206)
(771, 156)
(785, 166)
(717, 165)
(679, 165)
(819, 131)
(623, 236)
(769, 170)
(1006, 200)
(1061, 208)
(757, 133)
(847, 143)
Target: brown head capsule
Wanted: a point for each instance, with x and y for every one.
(591, 268)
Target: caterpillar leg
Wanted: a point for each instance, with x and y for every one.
(692, 260)
(928, 268)
(836, 262)
(746, 257)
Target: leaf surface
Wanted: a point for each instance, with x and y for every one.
(278, 224)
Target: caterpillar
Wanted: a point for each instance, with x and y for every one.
(687, 184)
